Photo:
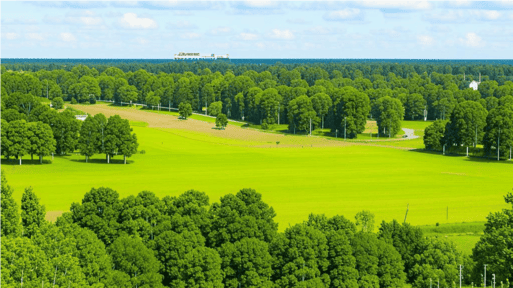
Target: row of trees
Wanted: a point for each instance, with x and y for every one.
(111, 137)
(32, 128)
(185, 241)
(470, 125)
(20, 138)
(264, 97)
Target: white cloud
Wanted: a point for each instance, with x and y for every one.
(11, 21)
(247, 36)
(221, 31)
(464, 16)
(35, 36)
(141, 41)
(281, 34)
(297, 21)
(320, 30)
(190, 35)
(396, 5)
(71, 4)
(471, 40)
(182, 25)
(67, 37)
(10, 36)
(256, 7)
(425, 40)
(85, 18)
(131, 21)
(344, 15)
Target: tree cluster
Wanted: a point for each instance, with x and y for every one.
(471, 124)
(111, 137)
(185, 241)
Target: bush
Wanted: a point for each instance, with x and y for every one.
(142, 152)
(74, 101)
(221, 120)
(92, 99)
(57, 103)
(185, 110)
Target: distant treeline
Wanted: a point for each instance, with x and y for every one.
(337, 96)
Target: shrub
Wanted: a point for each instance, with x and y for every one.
(92, 99)
(74, 101)
(221, 120)
(57, 103)
(142, 152)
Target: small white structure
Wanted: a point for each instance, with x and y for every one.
(198, 56)
(475, 85)
(81, 117)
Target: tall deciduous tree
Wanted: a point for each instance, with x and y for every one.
(185, 110)
(466, 124)
(300, 113)
(132, 257)
(433, 135)
(42, 142)
(17, 139)
(321, 103)
(349, 112)
(87, 142)
(390, 115)
(246, 263)
(32, 213)
(119, 139)
(414, 105)
(499, 130)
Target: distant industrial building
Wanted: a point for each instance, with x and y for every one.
(198, 56)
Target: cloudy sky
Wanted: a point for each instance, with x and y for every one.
(258, 29)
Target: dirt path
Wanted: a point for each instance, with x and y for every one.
(258, 138)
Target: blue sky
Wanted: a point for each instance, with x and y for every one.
(258, 29)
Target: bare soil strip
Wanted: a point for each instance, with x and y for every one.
(264, 139)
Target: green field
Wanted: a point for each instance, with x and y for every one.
(464, 235)
(296, 181)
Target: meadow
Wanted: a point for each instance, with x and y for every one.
(295, 180)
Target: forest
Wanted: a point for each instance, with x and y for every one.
(338, 96)
(186, 241)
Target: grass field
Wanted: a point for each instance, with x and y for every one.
(464, 235)
(321, 177)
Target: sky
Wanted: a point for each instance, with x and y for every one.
(258, 29)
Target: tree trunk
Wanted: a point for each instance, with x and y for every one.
(32, 157)
(87, 157)
(322, 121)
(40, 159)
(108, 158)
(20, 160)
(125, 158)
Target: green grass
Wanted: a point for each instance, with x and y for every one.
(295, 181)
(138, 124)
(464, 235)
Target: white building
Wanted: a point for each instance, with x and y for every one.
(198, 56)
(474, 84)
(81, 117)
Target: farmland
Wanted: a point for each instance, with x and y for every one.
(298, 176)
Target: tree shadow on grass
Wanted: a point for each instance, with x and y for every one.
(16, 162)
(480, 159)
(103, 161)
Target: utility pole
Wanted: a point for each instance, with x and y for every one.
(336, 132)
(345, 127)
(485, 274)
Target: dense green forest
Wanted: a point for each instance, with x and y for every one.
(186, 241)
(338, 96)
